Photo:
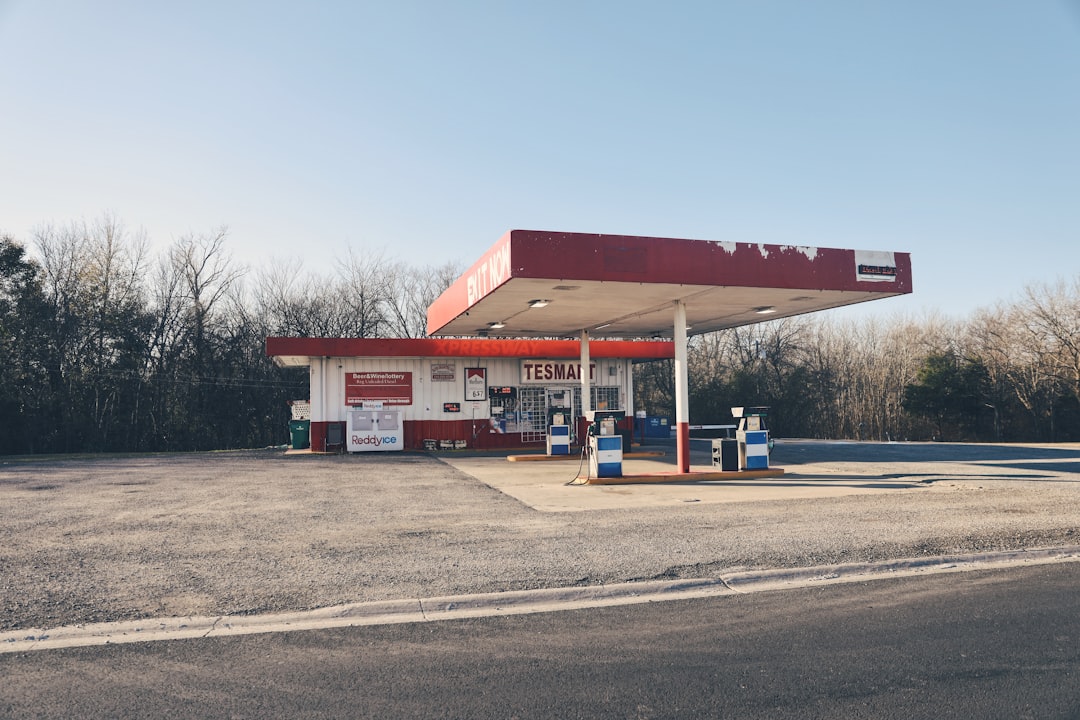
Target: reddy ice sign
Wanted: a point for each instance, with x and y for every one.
(375, 430)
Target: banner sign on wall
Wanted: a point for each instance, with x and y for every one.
(476, 384)
(553, 371)
(388, 387)
(443, 372)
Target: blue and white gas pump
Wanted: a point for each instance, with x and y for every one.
(605, 445)
(558, 437)
(753, 437)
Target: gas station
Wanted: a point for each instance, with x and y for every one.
(539, 308)
(560, 284)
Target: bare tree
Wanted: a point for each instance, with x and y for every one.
(1030, 365)
(411, 291)
(363, 291)
(989, 337)
(291, 302)
(208, 274)
(93, 279)
(1053, 311)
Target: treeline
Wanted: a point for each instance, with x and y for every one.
(105, 348)
(1009, 373)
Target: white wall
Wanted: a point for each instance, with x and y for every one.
(327, 390)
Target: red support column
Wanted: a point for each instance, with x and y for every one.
(682, 445)
(682, 393)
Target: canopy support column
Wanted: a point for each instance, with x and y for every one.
(586, 392)
(682, 390)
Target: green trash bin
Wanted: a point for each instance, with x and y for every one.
(300, 433)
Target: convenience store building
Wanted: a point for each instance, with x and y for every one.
(484, 393)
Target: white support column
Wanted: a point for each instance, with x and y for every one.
(682, 390)
(322, 389)
(320, 409)
(586, 393)
(315, 389)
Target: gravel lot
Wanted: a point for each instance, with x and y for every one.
(112, 538)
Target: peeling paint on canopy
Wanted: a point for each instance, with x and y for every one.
(555, 284)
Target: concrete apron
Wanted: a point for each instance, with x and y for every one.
(650, 477)
(556, 487)
(512, 603)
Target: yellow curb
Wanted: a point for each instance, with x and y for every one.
(577, 456)
(542, 458)
(684, 477)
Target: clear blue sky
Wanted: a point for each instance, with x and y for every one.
(946, 128)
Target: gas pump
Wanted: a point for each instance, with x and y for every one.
(558, 412)
(752, 436)
(605, 443)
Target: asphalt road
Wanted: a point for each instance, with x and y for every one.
(1000, 644)
(107, 538)
(98, 539)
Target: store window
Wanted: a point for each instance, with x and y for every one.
(603, 398)
(530, 409)
(504, 408)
